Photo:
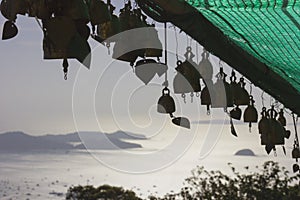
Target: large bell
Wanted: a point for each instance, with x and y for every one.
(205, 66)
(166, 103)
(250, 113)
(223, 94)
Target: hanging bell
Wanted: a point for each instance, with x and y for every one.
(205, 66)
(206, 94)
(236, 113)
(10, 30)
(166, 103)
(277, 132)
(145, 70)
(281, 118)
(250, 113)
(295, 168)
(296, 152)
(223, 94)
(264, 127)
(240, 94)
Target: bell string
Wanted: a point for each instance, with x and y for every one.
(192, 97)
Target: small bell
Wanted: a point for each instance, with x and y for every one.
(236, 113)
(205, 66)
(295, 167)
(166, 103)
(250, 113)
(181, 121)
(281, 118)
(296, 153)
(241, 96)
(264, 127)
(145, 70)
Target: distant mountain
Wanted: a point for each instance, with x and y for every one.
(19, 141)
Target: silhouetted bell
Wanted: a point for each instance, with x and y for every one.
(295, 168)
(145, 70)
(223, 94)
(99, 12)
(277, 132)
(205, 66)
(281, 118)
(264, 127)
(250, 114)
(296, 152)
(10, 30)
(240, 94)
(287, 133)
(236, 113)
(166, 103)
(205, 96)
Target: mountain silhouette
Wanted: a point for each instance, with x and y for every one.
(20, 142)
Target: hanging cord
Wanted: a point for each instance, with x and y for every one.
(296, 133)
(262, 98)
(176, 42)
(166, 84)
(197, 52)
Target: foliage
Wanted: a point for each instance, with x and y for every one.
(272, 182)
(104, 192)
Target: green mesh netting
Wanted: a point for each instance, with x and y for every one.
(267, 29)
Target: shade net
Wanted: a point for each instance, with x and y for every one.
(267, 29)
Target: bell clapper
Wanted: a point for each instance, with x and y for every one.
(65, 68)
(275, 153)
(207, 110)
(250, 126)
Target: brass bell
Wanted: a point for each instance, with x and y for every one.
(10, 30)
(205, 66)
(145, 70)
(250, 113)
(223, 94)
(236, 113)
(281, 118)
(166, 103)
(206, 94)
